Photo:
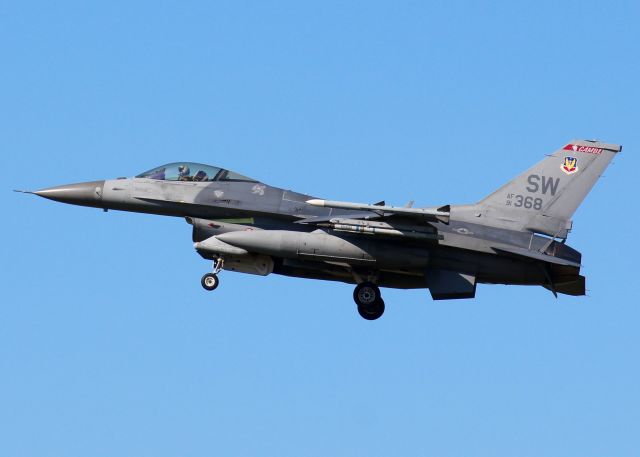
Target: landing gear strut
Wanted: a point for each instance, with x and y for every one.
(210, 280)
(369, 300)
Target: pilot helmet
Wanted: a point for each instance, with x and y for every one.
(184, 170)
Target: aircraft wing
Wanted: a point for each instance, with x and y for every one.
(355, 215)
(440, 214)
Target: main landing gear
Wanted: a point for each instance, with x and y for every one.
(369, 300)
(210, 281)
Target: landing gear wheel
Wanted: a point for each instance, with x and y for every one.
(210, 281)
(372, 312)
(366, 294)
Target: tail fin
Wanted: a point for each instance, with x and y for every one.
(543, 198)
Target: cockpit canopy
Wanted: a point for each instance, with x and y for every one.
(191, 171)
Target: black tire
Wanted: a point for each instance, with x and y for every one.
(210, 281)
(366, 294)
(373, 312)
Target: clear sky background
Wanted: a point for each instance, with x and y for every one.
(110, 347)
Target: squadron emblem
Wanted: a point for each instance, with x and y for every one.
(570, 165)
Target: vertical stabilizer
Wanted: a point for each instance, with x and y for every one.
(544, 198)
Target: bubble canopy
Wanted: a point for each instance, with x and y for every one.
(192, 171)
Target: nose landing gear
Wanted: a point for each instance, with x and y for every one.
(369, 300)
(210, 281)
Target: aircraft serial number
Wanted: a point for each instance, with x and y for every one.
(522, 201)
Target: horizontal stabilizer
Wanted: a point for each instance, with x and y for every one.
(535, 255)
(575, 288)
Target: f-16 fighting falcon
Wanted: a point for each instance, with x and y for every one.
(516, 235)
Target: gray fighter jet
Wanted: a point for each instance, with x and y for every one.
(516, 235)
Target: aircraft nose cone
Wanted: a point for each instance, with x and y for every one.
(83, 193)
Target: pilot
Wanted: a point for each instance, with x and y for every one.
(183, 173)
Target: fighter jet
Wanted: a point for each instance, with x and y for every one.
(516, 235)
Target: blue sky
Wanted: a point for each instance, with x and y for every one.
(108, 344)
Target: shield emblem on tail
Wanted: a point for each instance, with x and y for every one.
(569, 165)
